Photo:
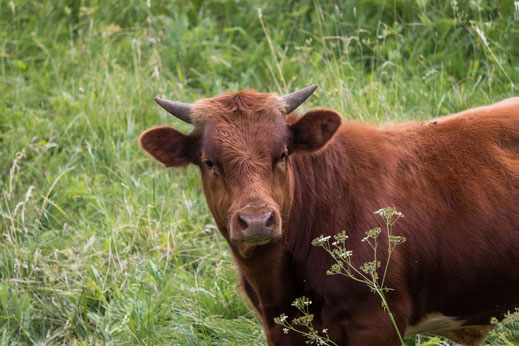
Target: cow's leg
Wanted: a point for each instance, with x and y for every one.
(373, 327)
(367, 324)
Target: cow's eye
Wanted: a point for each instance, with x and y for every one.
(281, 159)
(208, 163)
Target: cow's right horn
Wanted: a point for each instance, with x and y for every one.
(295, 99)
(177, 109)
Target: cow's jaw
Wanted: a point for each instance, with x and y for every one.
(246, 249)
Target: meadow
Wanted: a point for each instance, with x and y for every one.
(99, 243)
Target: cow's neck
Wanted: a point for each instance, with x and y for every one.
(321, 199)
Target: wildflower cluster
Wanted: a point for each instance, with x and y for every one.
(373, 234)
(395, 239)
(390, 215)
(303, 324)
(337, 249)
(368, 272)
(302, 303)
(371, 268)
(336, 268)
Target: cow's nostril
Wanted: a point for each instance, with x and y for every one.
(242, 224)
(270, 221)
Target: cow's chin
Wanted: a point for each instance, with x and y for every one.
(246, 247)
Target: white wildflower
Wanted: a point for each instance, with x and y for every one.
(323, 239)
(380, 211)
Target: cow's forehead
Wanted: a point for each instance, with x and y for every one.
(237, 108)
(247, 135)
(247, 122)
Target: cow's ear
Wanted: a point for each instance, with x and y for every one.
(314, 129)
(169, 146)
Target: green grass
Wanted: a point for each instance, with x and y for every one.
(98, 243)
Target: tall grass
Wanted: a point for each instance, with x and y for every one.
(100, 244)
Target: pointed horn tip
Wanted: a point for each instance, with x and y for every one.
(296, 98)
(311, 88)
(177, 109)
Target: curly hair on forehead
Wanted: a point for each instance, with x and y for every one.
(228, 106)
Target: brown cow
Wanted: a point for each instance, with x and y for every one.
(274, 181)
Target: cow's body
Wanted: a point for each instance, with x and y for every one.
(456, 180)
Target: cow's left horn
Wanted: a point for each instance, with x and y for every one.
(295, 99)
(177, 109)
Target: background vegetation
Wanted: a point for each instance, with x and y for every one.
(98, 243)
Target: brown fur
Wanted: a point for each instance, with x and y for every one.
(456, 180)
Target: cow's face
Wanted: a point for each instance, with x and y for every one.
(243, 145)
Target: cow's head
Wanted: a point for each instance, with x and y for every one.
(242, 143)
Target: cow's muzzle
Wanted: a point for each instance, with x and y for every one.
(255, 225)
